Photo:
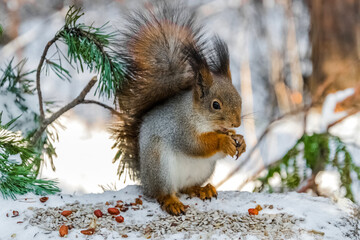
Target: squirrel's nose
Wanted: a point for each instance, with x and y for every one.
(237, 122)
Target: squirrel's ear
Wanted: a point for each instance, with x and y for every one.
(204, 81)
(219, 58)
(201, 70)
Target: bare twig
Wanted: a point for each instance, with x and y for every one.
(38, 71)
(113, 111)
(78, 100)
(352, 112)
(309, 184)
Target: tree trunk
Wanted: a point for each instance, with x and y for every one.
(335, 39)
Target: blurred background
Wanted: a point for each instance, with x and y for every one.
(296, 64)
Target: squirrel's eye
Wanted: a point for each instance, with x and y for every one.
(216, 105)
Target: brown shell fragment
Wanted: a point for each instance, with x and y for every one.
(113, 211)
(98, 213)
(66, 213)
(89, 231)
(43, 199)
(138, 201)
(63, 231)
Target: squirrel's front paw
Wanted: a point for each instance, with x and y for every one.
(240, 144)
(228, 145)
(171, 204)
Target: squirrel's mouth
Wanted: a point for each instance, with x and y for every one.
(223, 130)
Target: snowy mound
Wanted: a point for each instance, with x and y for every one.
(283, 216)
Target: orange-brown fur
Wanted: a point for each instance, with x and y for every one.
(210, 143)
(203, 193)
(147, 83)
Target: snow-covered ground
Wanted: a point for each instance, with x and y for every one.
(284, 216)
(85, 155)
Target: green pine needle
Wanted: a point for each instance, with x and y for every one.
(20, 178)
(15, 79)
(61, 72)
(317, 155)
(90, 47)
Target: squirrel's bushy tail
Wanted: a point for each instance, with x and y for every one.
(153, 48)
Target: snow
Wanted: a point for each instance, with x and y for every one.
(84, 150)
(328, 115)
(84, 163)
(319, 217)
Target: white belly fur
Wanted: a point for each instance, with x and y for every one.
(186, 171)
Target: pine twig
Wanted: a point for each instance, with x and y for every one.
(80, 38)
(74, 102)
(78, 100)
(38, 71)
(113, 111)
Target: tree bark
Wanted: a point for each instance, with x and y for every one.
(335, 39)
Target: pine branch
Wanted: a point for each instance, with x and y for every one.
(20, 177)
(319, 152)
(86, 45)
(78, 100)
(14, 81)
(92, 46)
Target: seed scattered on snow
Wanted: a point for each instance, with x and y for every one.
(279, 225)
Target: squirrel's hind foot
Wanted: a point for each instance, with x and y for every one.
(171, 204)
(203, 193)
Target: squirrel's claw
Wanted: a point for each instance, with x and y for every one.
(175, 208)
(240, 144)
(203, 193)
(171, 204)
(241, 150)
(228, 145)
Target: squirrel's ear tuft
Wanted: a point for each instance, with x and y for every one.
(200, 67)
(219, 58)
